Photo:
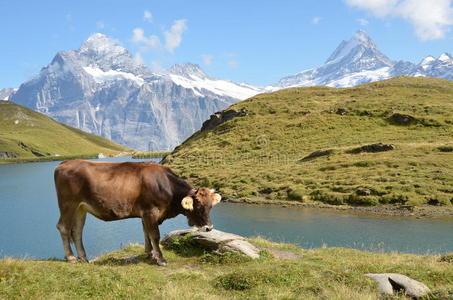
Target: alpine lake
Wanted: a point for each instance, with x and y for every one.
(29, 213)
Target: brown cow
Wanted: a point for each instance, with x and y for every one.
(114, 191)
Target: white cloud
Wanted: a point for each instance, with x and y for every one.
(207, 59)
(148, 16)
(233, 64)
(316, 20)
(146, 42)
(363, 22)
(100, 25)
(380, 8)
(431, 19)
(173, 37)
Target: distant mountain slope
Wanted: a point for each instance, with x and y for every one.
(307, 145)
(6, 93)
(26, 133)
(359, 61)
(102, 89)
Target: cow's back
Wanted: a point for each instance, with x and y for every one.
(108, 190)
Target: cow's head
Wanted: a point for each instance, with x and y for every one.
(198, 206)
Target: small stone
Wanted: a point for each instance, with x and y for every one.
(363, 192)
(342, 111)
(445, 149)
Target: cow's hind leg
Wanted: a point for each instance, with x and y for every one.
(77, 229)
(152, 228)
(148, 245)
(64, 225)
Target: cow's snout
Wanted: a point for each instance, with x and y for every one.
(207, 228)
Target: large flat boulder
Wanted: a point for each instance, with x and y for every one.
(215, 240)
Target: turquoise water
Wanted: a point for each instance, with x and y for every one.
(29, 212)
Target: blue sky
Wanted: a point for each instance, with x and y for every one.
(247, 41)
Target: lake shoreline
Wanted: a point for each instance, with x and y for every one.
(133, 154)
(418, 212)
(425, 211)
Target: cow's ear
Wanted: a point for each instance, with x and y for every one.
(187, 203)
(217, 199)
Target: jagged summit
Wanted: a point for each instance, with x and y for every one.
(360, 41)
(427, 60)
(353, 62)
(363, 37)
(99, 42)
(359, 60)
(360, 48)
(445, 57)
(187, 70)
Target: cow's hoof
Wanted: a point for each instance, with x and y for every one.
(83, 259)
(162, 263)
(71, 259)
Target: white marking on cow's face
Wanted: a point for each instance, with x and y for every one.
(217, 199)
(187, 203)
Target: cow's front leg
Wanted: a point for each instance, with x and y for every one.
(152, 228)
(148, 246)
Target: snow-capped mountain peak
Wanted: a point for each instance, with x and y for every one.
(360, 50)
(100, 43)
(427, 60)
(359, 61)
(445, 57)
(191, 76)
(106, 54)
(359, 42)
(353, 62)
(187, 70)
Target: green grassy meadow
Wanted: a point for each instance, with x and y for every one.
(262, 156)
(282, 272)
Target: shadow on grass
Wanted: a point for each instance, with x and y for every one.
(184, 246)
(125, 261)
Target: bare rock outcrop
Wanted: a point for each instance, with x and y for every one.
(221, 117)
(402, 119)
(389, 283)
(215, 240)
(316, 154)
(378, 147)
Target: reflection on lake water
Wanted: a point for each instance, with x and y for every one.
(29, 212)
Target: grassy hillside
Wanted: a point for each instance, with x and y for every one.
(28, 134)
(282, 272)
(263, 155)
